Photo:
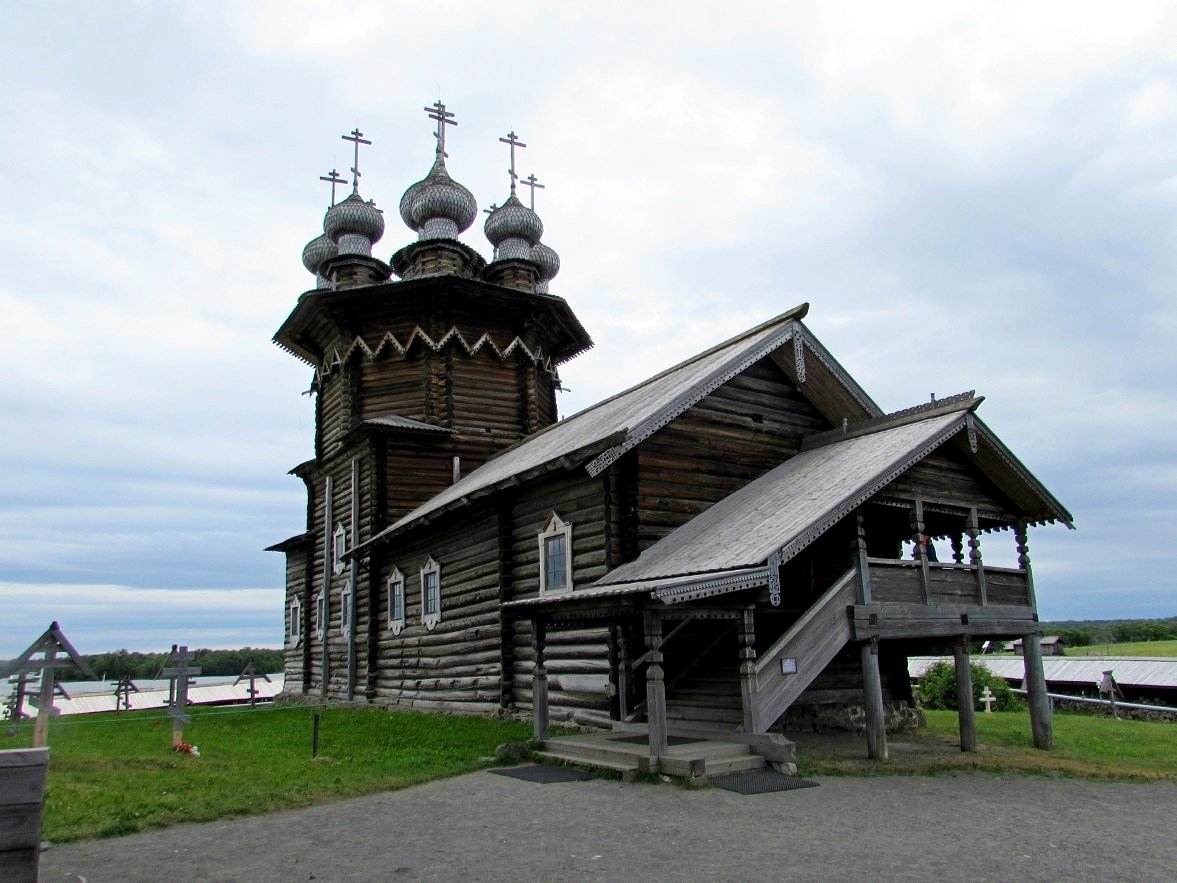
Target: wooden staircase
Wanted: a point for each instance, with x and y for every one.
(685, 756)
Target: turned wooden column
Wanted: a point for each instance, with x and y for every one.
(966, 713)
(1035, 683)
(860, 558)
(974, 535)
(655, 686)
(747, 626)
(1021, 535)
(539, 689)
(921, 549)
(872, 700)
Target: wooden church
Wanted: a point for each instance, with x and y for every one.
(715, 553)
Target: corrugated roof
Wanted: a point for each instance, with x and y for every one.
(630, 416)
(1129, 671)
(788, 507)
(211, 694)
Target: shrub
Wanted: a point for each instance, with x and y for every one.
(938, 687)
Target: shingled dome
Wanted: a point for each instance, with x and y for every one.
(315, 252)
(513, 229)
(438, 207)
(354, 224)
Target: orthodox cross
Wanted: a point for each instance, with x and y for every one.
(50, 644)
(357, 138)
(334, 179)
(533, 182)
(122, 693)
(179, 673)
(252, 674)
(514, 142)
(444, 118)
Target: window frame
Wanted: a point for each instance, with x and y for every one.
(555, 527)
(321, 614)
(396, 590)
(294, 628)
(338, 548)
(345, 608)
(430, 620)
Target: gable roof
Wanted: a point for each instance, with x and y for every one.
(604, 432)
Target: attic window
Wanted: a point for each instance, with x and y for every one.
(555, 556)
(338, 548)
(396, 601)
(431, 593)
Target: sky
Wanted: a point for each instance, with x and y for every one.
(969, 195)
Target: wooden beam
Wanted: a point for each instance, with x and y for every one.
(921, 549)
(539, 688)
(872, 696)
(1035, 683)
(655, 686)
(964, 696)
(747, 642)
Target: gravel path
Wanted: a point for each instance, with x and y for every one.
(487, 827)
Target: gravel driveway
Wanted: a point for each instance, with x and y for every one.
(487, 827)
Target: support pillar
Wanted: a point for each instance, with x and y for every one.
(872, 696)
(539, 689)
(1040, 722)
(974, 534)
(921, 550)
(747, 637)
(655, 686)
(966, 713)
(45, 701)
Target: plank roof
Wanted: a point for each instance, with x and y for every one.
(608, 429)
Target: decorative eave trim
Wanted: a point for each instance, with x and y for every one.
(832, 365)
(962, 401)
(453, 337)
(689, 399)
(792, 548)
(707, 587)
(988, 437)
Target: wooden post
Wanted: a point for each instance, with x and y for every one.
(974, 535)
(539, 688)
(872, 700)
(966, 713)
(623, 673)
(1021, 535)
(328, 518)
(1039, 702)
(957, 542)
(45, 701)
(860, 559)
(747, 638)
(22, 800)
(655, 687)
(921, 550)
(352, 574)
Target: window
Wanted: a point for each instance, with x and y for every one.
(396, 601)
(431, 593)
(338, 548)
(555, 556)
(320, 614)
(345, 609)
(294, 630)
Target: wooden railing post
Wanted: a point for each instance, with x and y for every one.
(921, 549)
(964, 696)
(974, 534)
(861, 562)
(872, 696)
(747, 626)
(1021, 535)
(1035, 683)
(539, 688)
(655, 686)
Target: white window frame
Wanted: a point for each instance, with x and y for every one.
(430, 620)
(321, 614)
(345, 608)
(338, 548)
(556, 527)
(396, 591)
(294, 630)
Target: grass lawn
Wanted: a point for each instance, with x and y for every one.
(1084, 746)
(1139, 648)
(113, 775)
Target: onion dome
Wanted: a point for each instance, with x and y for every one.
(513, 229)
(354, 225)
(314, 253)
(438, 207)
(548, 262)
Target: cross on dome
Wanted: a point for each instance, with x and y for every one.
(533, 182)
(334, 179)
(514, 141)
(356, 137)
(444, 118)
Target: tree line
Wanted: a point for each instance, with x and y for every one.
(1082, 633)
(120, 663)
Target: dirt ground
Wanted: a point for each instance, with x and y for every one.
(961, 826)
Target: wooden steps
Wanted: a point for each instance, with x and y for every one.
(703, 757)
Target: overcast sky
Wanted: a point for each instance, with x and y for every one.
(970, 196)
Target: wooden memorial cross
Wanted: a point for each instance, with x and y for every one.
(987, 699)
(15, 707)
(122, 693)
(50, 645)
(179, 673)
(252, 674)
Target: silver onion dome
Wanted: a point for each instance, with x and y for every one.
(315, 252)
(354, 225)
(546, 259)
(513, 220)
(438, 207)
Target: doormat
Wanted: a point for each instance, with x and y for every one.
(645, 740)
(759, 782)
(544, 774)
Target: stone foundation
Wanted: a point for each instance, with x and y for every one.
(849, 718)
